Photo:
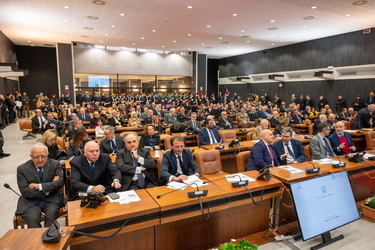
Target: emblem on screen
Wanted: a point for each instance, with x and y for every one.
(324, 190)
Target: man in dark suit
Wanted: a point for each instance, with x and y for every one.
(52, 123)
(209, 135)
(39, 181)
(224, 122)
(362, 120)
(274, 119)
(322, 118)
(341, 142)
(115, 120)
(11, 107)
(344, 115)
(253, 114)
(111, 143)
(83, 116)
(193, 124)
(136, 165)
(149, 116)
(37, 122)
(93, 172)
(289, 150)
(158, 111)
(262, 154)
(177, 163)
(297, 118)
(75, 123)
(370, 99)
(182, 116)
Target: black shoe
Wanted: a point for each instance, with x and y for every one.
(4, 155)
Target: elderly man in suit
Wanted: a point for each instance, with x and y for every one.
(115, 120)
(193, 124)
(39, 181)
(209, 135)
(319, 144)
(263, 154)
(177, 163)
(363, 118)
(341, 142)
(83, 116)
(289, 150)
(37, 122)
(224, 122)
(52, 123)
(111, 142)
(136, 165)
(93, 172)
(263, 124)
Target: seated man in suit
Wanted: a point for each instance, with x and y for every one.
(274, 119)
(75, 124)
(37, 122)
(193, 124)
(344, 116)
(182, 116)
(319, 144)
(93, 172)
(262, 154)
(289, 150)
(115, 120)
(150, 139)
(253, 114)
(83, 116)
(341, 142)
(331, 120)
(39, 181)
(52, 123)
(111, 142)
(322, 118)
(297, 118)
(209, 135)
(177, 163)
(224, 122)
(148, 118)
(136, 165)
(263, 124)
(263, 112)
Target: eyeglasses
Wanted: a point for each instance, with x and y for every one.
(39, 157)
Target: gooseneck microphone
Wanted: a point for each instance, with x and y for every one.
(340, 164)
(52, 234)
(181, 188)
(313, 170)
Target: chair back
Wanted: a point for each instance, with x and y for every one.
(158, 164)
(307, 151)
(209, 161)
(25, 125)
(242, 158)
(370, 139)
(61, 143)
(167, 142)
(248, 136)
(347, 124)
(227, 136)
(310, 129)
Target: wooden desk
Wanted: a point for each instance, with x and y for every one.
(32, 239)
(300, 128)
(189, 139)
(137, 234)
(358, 137)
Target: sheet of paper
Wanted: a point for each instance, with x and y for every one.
(290, 169)
(326, 161)
(366, 156)
(238, 177)
(126, 197)
(195, 179)
(351, 131)
(176, 185)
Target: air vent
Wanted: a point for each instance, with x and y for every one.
(309, 17)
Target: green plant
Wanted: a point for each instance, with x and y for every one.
(371, 202)
(242, 245)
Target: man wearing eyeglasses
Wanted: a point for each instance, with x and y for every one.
(39, 181)
(319, 144)
(93, 172)
(289, 150)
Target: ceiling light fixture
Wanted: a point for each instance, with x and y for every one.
(308, 18)
(66, 21)
(113, 26)
(347, 15)
(360, 2)
(142, 38)
(272, 21)
(234, 14)
(133, 43)
(106, 34)
(272, 28)
(66, 7)
(175, 41)
(162, 46)
(101, 41)
(29, 41)
(220, 38)
(189, 34)
(88, 28)
(153, 30)
(93, 17)
(313, 7)
(242, 31)
(190, 7)
(208, 26)
(122, 14)
(99, 2)
(203, 44)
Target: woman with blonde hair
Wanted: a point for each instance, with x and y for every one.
(134, 120)
(49, 139)
(156, 121)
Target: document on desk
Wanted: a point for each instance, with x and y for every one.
(351, 131)
(290, 169)
(366, 156)
(238, 177)
(326, 161)
(255, 140)
(126, 197)
(195, 179)
(176, 185)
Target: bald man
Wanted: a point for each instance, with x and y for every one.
(263, 154)
(341, 142)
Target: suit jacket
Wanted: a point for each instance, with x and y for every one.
(204, 138)
(298, 151)
(82, 176)
(58, 127)
(295, 119)
(274, 122)
(362, 120)
(27, 173)
(222, 123)
(35, 124)
(318, 151)
(85, 117)
(189, 125)
(105, 146)
(335, 142)
(169, 165)
(145, 140)
(124, 162)
(260, 157)
(113, 123)
(253, 116)
(344, 116)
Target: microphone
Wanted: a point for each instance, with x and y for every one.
(161, 195)
(265, 173)
(52, 234)
(198, 193)
(340, 164)
(240, 183)
(313, 170)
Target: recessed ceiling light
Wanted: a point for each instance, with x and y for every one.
(106, 34)
(220, 38)
(122, 14)
(272, 28)
(313, 7)
(153, 30)
(66, 21)
(101, 41)
(242, 31)
(208, 26)
(203, 44)
(162, 46)
(360, 2)
(347, 15)
(190, 7)
(133, 43)
(142, 38)
(247, 41)
(175, 41)
(304, 26)
(84, 36)
(272, 21)
(189, 34)
(309, 17)
(88, 28)
(66, 7)
(32, 45)
(234, 14)
(189, 48)
(99, 2)
(29, 41)
(93, 17)
(272, 44)
(113, 26)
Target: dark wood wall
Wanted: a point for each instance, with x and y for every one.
(212, 81)
(7, 55)
(347, 49)
(42, 66)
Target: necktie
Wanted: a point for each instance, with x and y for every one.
(299, 119)
(141, 179)
(181, 163)
(194, 126)
(330, 154)
(271, 153)
(113, 145)
(92, 166)
(213, 139)
(290, 151)
(40, 172)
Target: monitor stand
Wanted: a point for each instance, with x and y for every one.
(326, 237)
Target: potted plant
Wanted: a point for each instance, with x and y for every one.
(242, 245)
(368, 209)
